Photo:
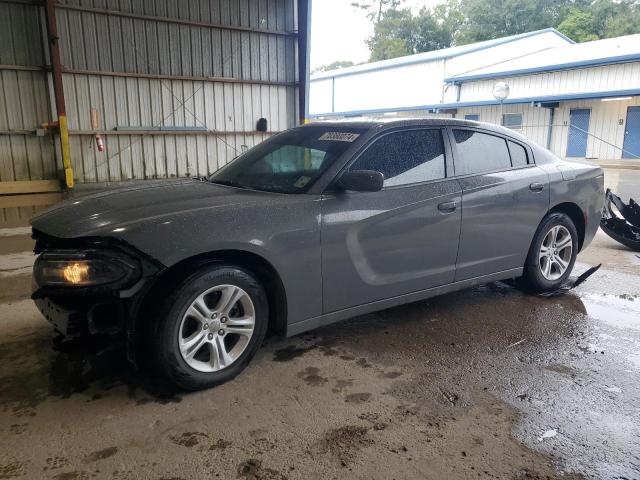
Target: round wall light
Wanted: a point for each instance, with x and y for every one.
(501, 91)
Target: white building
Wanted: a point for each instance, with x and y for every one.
(579, 100)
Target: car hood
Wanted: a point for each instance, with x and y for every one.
(106, 212)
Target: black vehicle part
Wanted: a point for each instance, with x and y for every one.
(533, 276)
(571, 283)
(104, 246)
(624, 230)
(164, 332)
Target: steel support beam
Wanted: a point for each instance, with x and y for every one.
(56, 65)
(304, 28)
(154, 76)
(552, 114)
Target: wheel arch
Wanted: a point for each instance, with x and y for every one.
(577, 216)
(255, 264)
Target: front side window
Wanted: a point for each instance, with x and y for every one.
(480, 152)
(405, 157)
(290, 162)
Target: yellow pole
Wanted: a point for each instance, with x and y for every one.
(66, 151)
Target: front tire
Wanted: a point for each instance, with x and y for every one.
(552, 254)
(210, 327)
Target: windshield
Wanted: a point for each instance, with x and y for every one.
(290, 162)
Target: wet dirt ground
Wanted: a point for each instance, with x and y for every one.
(485, 383)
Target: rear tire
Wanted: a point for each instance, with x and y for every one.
(552, 254)
(210, 327)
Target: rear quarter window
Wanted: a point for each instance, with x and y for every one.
(479, 152)
(519, 156)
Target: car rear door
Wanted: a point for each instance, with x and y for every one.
(402, 239)
(504, 197)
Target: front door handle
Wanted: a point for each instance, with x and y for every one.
(536, 187)
(447, 207)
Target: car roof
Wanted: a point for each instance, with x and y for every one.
(378, 123)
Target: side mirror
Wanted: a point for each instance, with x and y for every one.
(361, 181)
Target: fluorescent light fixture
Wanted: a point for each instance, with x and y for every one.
(390, 114)
(615, 99)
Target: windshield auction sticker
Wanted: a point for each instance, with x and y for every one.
(301, 182)
(339, 136)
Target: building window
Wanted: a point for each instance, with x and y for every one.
(512, 120)
(472, 116)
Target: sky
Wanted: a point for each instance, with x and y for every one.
(338, 31)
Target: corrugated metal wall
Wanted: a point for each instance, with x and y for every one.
(211, 65)
(535, 120)
(401, 86)
(609, 78)
(179, 85)
(607, 125)
(24, 101)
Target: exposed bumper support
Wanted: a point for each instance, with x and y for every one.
(625, 230)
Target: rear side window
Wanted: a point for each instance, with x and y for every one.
(518, 154)
(405, 157)
(480, 152)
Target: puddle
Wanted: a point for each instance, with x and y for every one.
(620, 311)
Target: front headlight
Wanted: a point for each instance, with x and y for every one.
(68, 268)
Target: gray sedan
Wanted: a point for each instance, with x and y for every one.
(317, 224)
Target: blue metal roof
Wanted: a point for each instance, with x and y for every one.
(433, 55)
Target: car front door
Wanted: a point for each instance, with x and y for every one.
(402, 239)
(504, 197)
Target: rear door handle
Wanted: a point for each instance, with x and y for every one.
(447, 207)
(536, 187)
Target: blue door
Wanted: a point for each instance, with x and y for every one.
(472, 116)
(631, 148)
(578, 132)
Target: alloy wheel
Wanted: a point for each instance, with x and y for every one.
(216, 328)
(555, 253)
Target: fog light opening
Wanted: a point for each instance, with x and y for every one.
(105, 319)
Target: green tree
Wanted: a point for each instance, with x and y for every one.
(375, 9)
(489, 19)
(398, 32)
(392, 35)
(432, 30)
(602, 19)
(613, 19)
(579, 25)
(620, 25)
(449, 16)
(401, 33)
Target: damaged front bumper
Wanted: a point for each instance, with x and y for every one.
(625, 230)
(82, 308)
(87, 315)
